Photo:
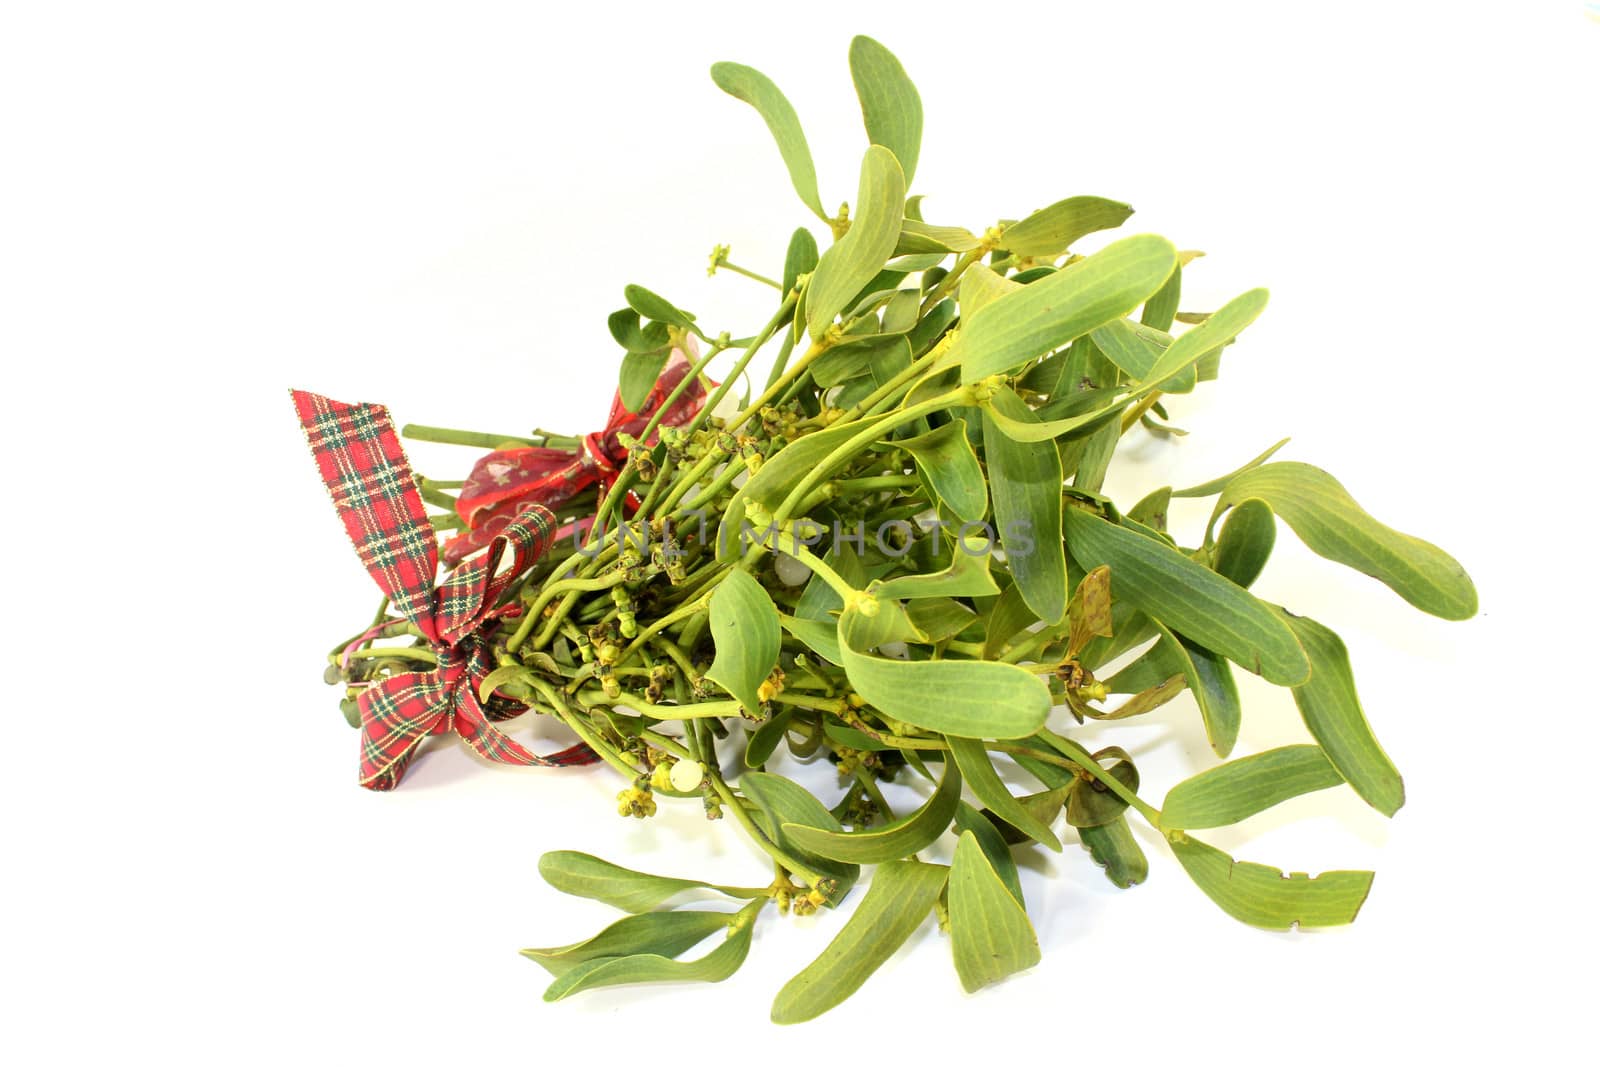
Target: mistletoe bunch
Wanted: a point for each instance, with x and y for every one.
(897, 558)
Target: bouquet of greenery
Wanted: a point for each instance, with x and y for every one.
(898, 558)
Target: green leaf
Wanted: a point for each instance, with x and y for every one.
(1210, 680)
(1009, 616)
(757, 90)
(625, 330)
(1095, 459)
(821, 637)
(801, 258)
(1264, 896)
(898, 900)
(1334, 526)
(967, 575)
(970, 820)
(899, 839)
(970, 698)
(890, 106)
(583, 875)
(1042, 807)
(1041, 317)
(1198, 603)
(990, 935)
(655, 307)
(1224, 324)
(640, 371)
(857, 356)
(784, 803)
(764, 740)
(900, 314)
(1025, 483)
(979, 286)
(940, 618)
(744, 626)
(1050, 231)
(1135, 351)
(1025, 425)
(972, 759)
(780, 474)
(1113, 847)
(1332, 712)
(1217, 485)
(715, 966)
(1091, 803)
(1151, 511)
(657, 933)
(857, 257)
(1160, 309)
(1240, 788)
(919, 238)
(1245, 543)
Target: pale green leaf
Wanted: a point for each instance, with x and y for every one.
(657, 933)
(969, 698)
(969, 820)
(897, 840)
(900, 897)
(744, 626)
(583, 875)
(979, 286)
(857, 257)
(990, 935)
(1224, 324)
(972, 759)
(1264, 896)
(715, 966)
(1050, 231)
(1196, 602)
(1044, 316)
(757, 90)
(1025, 483)
(1332, 712)
(890, 106)
(945, 458)
(1217, 485)
(1240, 788)
(800, 258)
(967, 575)
(784, 803)
(1334, 526)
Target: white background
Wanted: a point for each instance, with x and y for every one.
(436, 207)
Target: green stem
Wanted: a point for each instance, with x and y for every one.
(474, 439)
(762, 278)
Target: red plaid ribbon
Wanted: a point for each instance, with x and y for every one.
(366, 471)
(507, 480)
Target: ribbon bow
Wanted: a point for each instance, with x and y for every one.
(366, 471)
(507, 480)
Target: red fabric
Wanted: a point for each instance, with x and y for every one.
(507, 480)
(359, 456)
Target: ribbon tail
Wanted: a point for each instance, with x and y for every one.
(397, 715)
(472, 723)
(366, 471)
(472, 590)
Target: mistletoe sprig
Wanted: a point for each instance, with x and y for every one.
(899, 558)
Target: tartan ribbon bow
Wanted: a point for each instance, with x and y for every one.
(507, 480)
(359, 456)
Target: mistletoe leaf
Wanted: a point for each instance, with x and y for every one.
(744, 625)
(757, 90)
